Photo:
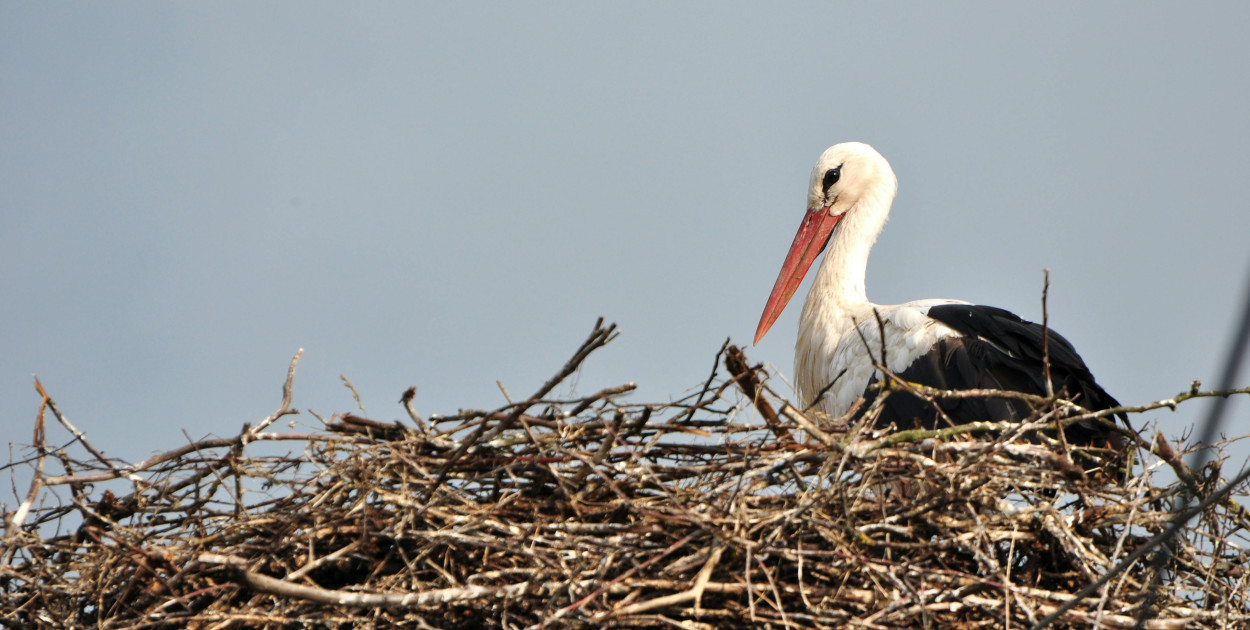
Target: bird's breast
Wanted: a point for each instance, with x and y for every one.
(838, 358)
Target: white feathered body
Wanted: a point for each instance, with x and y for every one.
(849, 346)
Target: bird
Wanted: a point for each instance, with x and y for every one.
(942, 343)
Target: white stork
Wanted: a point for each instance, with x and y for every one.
(947, 344)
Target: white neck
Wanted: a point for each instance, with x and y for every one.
(838, 288)
(837, 300)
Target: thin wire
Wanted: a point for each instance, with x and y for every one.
(1197, 460)
(1176, 525)
(1210, 428)
(1232, 365)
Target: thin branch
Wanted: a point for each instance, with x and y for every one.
(1178, 522)
(436, 597)
(285, 408)
(598, 338)
(80, 436)
(351, 388)
(744, 376)
(407, 400)
(36, 483)
(1050, 388)
(177, 453)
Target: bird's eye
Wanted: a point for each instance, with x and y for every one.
(831, 177)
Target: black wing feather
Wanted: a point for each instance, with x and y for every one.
(998, 350)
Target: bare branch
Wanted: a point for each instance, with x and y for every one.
(36, 482)
(285, 408)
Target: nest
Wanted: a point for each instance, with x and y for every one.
(727, 508)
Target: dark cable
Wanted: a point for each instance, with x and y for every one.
(1210, 429)
(1232, 365)
(1175, 526)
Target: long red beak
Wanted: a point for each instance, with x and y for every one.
(808, 243)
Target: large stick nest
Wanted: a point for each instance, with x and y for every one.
(727, 508)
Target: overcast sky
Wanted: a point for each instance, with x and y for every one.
(446, 195)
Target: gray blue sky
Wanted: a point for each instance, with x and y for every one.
(446, 195)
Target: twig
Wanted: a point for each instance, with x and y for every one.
(36, 483)
(80, 436)
(285, 408)
(406, 400)
(174, 455)
(352, 388)
(1050, 388)
(1175, 526)
(744, 376)
(436, 597)
(504, 390)
(598, 338)
(599, 591)
(602, 394)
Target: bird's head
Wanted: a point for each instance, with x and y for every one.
(845, 175)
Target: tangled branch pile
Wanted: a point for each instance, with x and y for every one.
(719, 510)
